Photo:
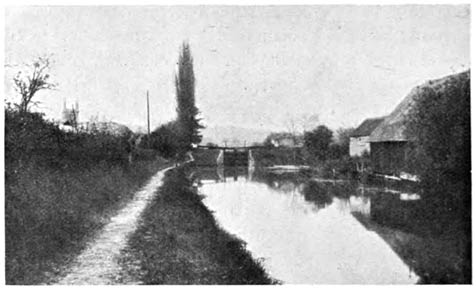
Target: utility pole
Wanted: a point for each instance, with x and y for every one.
(148, 121)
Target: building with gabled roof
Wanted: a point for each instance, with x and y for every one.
(388, 142)
(359, 139)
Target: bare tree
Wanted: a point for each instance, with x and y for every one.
(297, 126)
(29, 83)
(309, 122)
(292, 128)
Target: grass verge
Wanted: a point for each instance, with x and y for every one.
(179, 242)
(50, 213)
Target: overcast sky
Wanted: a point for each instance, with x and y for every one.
(255, 67)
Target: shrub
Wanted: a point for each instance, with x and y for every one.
(439, 126)
(59, 187)
(317, 142)
(166, 140)
(28, 137)
(338, 168)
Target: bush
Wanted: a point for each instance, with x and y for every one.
(28, 137)
(317, 142)
(438, 126)
(59, 188)
(166, 140)
(338, 168)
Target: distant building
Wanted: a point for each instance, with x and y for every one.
(70, 122)
(359, 139)
(109, 127)
(388, 143)
(70, 116)
(285, 140)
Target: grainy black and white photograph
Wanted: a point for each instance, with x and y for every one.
(237, 144)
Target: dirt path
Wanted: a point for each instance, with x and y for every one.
(97, 264)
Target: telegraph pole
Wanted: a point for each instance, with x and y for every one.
(148, 121)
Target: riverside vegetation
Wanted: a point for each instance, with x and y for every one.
(60, 188)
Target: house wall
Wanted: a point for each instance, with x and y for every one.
(287, 142)
(358, 145)
(388, 158)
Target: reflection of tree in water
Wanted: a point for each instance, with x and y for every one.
(323, 192)
(344, 189)
(317, 193)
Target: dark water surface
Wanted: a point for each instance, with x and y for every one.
(311, 231)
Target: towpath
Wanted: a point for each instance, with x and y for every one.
(97, 264)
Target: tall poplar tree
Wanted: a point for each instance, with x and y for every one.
(187, 113)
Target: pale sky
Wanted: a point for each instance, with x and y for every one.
(255, 67)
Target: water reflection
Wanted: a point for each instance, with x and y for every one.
(307, 231)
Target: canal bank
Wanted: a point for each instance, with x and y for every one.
(308, 230)
(179, 242)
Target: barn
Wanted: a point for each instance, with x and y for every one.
(389, 146)
(359, 139)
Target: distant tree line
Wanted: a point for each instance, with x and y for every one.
(320, 143)
(320, 147)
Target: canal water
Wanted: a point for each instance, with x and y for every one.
(308, 231)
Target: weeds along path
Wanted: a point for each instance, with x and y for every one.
(97, 264)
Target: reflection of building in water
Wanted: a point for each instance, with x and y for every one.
(391, 210)
(397, 240)
(364, 189)
(221, 174)
(390, 207)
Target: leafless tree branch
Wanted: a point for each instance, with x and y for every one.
(35, 81)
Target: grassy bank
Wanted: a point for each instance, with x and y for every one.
(60, 187)
(179, 242)
(51, 213)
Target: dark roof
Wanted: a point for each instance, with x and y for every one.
(367, 127)
(393, 127)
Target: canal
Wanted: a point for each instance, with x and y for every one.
(305, 230)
